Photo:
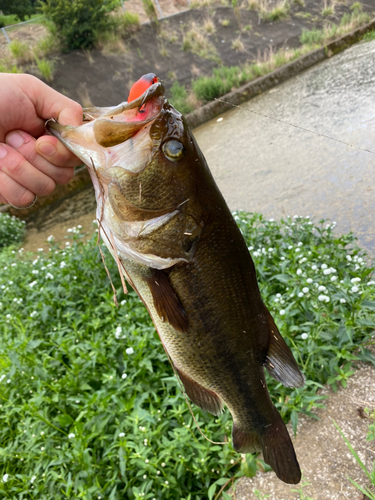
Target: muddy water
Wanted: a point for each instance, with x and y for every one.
(266, 166)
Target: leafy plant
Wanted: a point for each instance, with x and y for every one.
(179, 98)
(20, 8)
(79, 23)
(12, 230)
(369, 36)
(89, 404)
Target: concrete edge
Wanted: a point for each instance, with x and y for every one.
(216, 107)
(281, 74)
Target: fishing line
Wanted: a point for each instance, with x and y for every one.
(209, 99)
(290, 124)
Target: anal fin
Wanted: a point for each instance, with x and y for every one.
(280, 362)
(202, 397)
(166, 301)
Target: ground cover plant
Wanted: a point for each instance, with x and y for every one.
(90, 407)
(12, 230)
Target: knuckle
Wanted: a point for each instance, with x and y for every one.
(63, 176)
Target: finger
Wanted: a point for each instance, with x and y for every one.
(14, 167)
(51, 104)
(26, 146)
(12, 192)
(55, 152)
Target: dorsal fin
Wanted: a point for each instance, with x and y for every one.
(280, 362)
(204, 398)
(166, 301)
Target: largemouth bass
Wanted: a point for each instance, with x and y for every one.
(164, 219)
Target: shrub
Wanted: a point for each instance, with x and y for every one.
(11, 230)
(79, 23)
(179, 98)
(89, 404)
(3, 21)
(20, 8)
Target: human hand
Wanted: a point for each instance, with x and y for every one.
(32, 163)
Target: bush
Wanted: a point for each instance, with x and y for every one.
(12, 230)
(79, 23)
(89, 404)
(3, 21)
(20, 8)
(179, 98)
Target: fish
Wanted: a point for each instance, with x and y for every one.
(168, 226)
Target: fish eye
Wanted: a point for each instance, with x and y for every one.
(174, 150)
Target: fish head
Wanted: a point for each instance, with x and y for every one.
(145, 166)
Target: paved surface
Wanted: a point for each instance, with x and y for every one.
(270, 167)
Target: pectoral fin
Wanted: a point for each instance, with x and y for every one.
(166, 302)
(280, 362)
(204, 398)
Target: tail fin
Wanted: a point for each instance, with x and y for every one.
(278, 451)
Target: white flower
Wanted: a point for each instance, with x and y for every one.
(300, 294)
(299, 243)
(166, 482)
(129, 350)
(144, 476)
(32, 479)
(304, 336)
(8, 316)
(50, 276)
(124, 375)
(299, 272)
(121, 435)
(323, 298)
(5, 478)
(371, 283)
(322, 288)
(333, 278)
(282, 312)
(71, 435)
(123, 302)
(349, 258)
(69, 230)
(62, 265)
(50, 238)
(355, 280)
(327, 271)
(42, 448)
(163, 464)
(314, 267)
(354, 289)
(298, 249)
(118, 332)
(343, 301)
(309, 280)
(33, 283)
(324, 266)
(40, 249)
(33, 314)
(305, 289)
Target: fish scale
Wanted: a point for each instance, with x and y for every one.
(179, 247)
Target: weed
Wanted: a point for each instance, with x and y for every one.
(280, 11)
(149, 9)
(6, 67)
(179, 98)
(369, 474)
(126, 23)
(46, 68)
(302, 495)
(238, 45)
(247, 28)
(369, 36)
(303, 15)
(300, 2)
(209, 26)
(195, 41)
(20, 51)
(224, 22)
(46, 46)
(163, 51)
(311, 37)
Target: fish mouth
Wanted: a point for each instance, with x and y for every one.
(115, 125)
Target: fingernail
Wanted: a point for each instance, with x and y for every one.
(47, 148)
(15, 139)
(3, 151)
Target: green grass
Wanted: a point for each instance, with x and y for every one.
(20, 50)
(369, 36)
(46, 68)
(89, 404)
(12, 19)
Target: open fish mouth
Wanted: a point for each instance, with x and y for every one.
(103, 139)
